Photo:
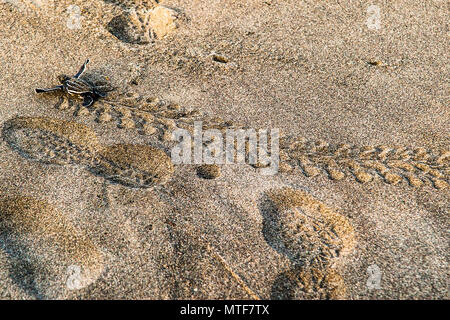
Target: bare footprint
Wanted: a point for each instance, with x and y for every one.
(48, 256)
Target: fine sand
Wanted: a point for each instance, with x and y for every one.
(92, 206)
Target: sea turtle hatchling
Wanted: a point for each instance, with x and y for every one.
(77, 86)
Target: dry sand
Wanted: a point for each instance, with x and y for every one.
(91, 206)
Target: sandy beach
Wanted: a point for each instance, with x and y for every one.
(93, 204)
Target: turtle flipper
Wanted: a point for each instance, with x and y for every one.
(101, 94)
(82, 69)
(57, 88)
(88, 100)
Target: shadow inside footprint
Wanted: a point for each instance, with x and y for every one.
(283, 287)
(120, 27)
(21, 271)
(271, 225)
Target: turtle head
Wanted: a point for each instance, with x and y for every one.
(62, 78)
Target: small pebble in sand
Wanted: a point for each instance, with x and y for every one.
(208, 171)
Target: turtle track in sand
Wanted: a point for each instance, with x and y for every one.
(44, 250)
(64, 142)
(314, 237)
(389, 164)
(147, 115)
(418, 166)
